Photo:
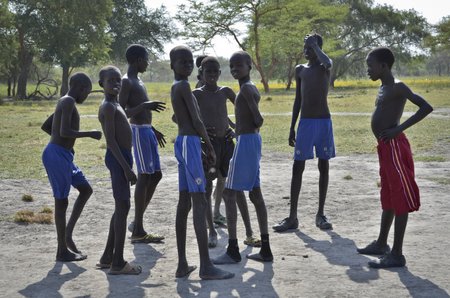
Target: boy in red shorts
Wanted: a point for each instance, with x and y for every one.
(399, 192)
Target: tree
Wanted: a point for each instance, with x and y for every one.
(131, 22)
(9, 68)
(202, 22)
(72, 33)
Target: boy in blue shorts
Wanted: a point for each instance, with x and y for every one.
(190, 169)
(119, 161)
(63, 126)
(314, 129)
(133, 98)
(243, 173)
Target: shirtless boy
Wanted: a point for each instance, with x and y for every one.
(119, 161)
(212, 101)
(133, 98)
(63, 127)
(243, 173)
(399, 192)
(190, 169)
(314, 128)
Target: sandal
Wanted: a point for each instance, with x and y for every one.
(149, 238)
(388, 261)
(323, 223)
(220, 220)
(127, 269)
(252, 241)
(374, 248)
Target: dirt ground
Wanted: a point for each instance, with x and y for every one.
(308, 262)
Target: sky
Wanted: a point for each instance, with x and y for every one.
(432, 10)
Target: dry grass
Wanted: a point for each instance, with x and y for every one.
(45, 216)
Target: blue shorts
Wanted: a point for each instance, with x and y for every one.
(61, 171)
(191, 176)
(316, 133)
(119, 182)
(243, 173)
(145, 149)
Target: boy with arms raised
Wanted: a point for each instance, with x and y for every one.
(243, 173)
(63, 126)
(119, 161)
(399, 192)
(212, 101)
(315, 128)
(190, 169)
(133, 98)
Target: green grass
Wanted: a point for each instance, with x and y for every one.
(22, 140)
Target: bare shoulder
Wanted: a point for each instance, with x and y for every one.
(402, 89)
(299, 68)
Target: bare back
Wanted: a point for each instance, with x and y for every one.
(213, 108)
(115, 124)
(248, 118)
(134, 93)
(389, 107)
(65, 118)
(313, 81)
(185, 107)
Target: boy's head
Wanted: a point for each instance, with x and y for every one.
(210, 70)
(137, 54)
(310, 40)
(379, 61)
(110, 79)
(181, 61)
(80, 85)
(317, 37)
(240, 64)
(198, 63)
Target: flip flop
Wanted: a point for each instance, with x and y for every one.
(220, 220)
(252, 241)
(100, 265)
(149, 238)
(128, 269)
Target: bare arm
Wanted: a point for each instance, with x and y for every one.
(66, 131)
(424, 109)
(229, 93)
(297, 105)
(249, 96)
(321, 56)
(47, 125)
(109, 112)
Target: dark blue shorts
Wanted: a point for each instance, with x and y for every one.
(120, 184)
(314, 133)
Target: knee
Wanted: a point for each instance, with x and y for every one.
(157, 176)
(323, 166)
(255, 196)
(299, 167)
(85, 190)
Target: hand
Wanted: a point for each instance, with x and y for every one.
(156, 106)
(389, 134)
(131, 176)
(292, 138)
(211, 131)
(96, 134)
(210, 156)
(310, 40)
(229, 134)
(160, 137)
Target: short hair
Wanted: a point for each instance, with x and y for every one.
(243, 55)
(107, 69)
(318, 38)
(210, 59)
(176, 50)
(198, 61)
(134, 52)
(383, 55)
(80, 79)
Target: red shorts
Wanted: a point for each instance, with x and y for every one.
(399, 190)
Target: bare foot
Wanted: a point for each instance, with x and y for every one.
(182, 272)
(225, 259)
(212, 241)
(215, 273)
(71, 245)
(260, 258)
(69, 256)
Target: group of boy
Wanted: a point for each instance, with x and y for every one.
(205, 151)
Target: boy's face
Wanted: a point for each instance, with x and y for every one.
(309, 53)
(84, 92)
(183, 63)
(142, 63)
(374, 68)
(211, 73)
(112, 82)
(239, 68)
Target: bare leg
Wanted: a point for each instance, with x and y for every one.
(63, 254)
(120, 226)
(212, 241)
(241, 201)
(106, 258)
(323, 166)
(265, 254)
(85, 191)
(399, 233)
(207, 269)
(183, 208)
(296, 185)
(218, 192)
(386, 221)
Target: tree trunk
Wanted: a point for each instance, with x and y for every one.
(65, 80)
(9, 87)
(25, 60)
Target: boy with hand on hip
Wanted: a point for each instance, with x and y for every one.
(243, 173)
(399, 192)
(133, 98)
(119, 161)
(212, 101)
(190, 169)
(314, 130)
(63, 126)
